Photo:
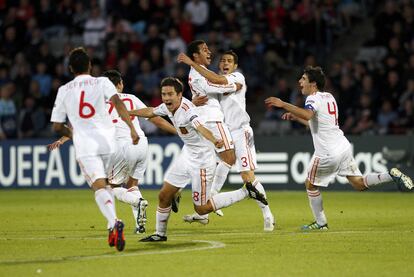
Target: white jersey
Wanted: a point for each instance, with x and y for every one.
(131, 103)
(83, 100)
(234, 105)
(328, 139)
(200, 86)
(185, 120)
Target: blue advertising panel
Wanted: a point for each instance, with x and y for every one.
(282, 162)
(29, 164)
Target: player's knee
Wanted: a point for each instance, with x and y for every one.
(229, 157)
(247, 176)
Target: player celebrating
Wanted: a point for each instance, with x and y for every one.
(82, 100)
(130, 160)
(238, 120)
(198, 52)
(333, 153)
(196, 162)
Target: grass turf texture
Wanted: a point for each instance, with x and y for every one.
(62, 233)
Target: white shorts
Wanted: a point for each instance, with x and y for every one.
(322, 171)
(182, 172)
(129, 160)
(245, 150)
(221, 131)
(95, 167)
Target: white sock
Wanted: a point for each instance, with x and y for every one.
(220, 175)
(225, 199)
(106, 205)
(109, 190)
(265, 208)
(126, 196)
(135, 214)
(373, 179)
(162, 220)
(315, 202)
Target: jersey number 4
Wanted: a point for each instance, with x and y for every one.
(333, 111)
(125, 100)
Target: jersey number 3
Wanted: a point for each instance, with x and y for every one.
(333, 111)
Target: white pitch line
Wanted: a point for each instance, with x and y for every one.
(211, 245)
(185, 234)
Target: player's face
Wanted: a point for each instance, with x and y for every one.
(170, 98)
(226, 64)
(204, 55)
(305, 86)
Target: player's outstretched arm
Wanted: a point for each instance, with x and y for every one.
(145, 112)
(208, 74)
(209, 136)
(58, 143)
(123, 113)
(292, 117)
(163, 124)
(299, 112)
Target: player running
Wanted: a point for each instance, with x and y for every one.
(82, 100)
(130, 160)
(196, 163)
(333, 152)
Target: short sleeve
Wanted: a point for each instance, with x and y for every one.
(108, 88)
(235, 77)
(161, 110)
(59, 110)
(312, 103)
(138, 103)
(194, 118)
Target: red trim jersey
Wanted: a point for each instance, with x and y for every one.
(200, 86)
(328, 139)
(185, 120)
(83, 101)
(122, 130)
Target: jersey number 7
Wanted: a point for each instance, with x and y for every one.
(333, 111)
(125, 100)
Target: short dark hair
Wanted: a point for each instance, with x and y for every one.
(193, 48)
(79, 60)
(172, 82)
(114, 76)
(315, 74)
(232, 53)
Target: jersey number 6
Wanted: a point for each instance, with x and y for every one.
(82, 105)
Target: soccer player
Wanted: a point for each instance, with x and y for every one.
(196, 163)
(82, 100)
(238, 120)
(130, 160)
(333, 152)
(199, 53)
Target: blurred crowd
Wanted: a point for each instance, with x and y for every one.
(141, 39)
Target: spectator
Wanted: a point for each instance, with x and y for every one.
(8, 112)
(198, 10)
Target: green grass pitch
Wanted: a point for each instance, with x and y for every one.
(62, 233)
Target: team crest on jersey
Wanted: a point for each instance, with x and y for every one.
(183, 130)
